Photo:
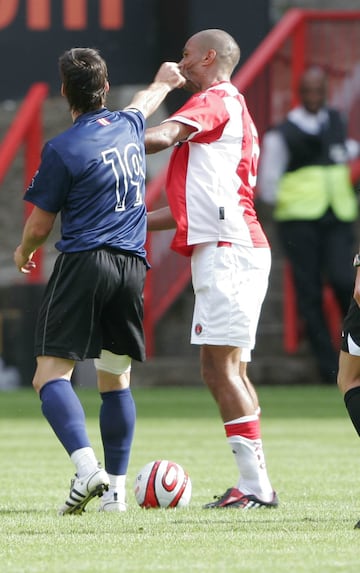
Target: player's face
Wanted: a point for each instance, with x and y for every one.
(190, 65)
(313, 93)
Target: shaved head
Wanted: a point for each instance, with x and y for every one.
(227, 50)
(209, 56)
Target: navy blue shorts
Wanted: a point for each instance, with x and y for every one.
(93, 301)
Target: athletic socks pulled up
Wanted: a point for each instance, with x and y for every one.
(63, 410)
(117, 425)
(244, 438)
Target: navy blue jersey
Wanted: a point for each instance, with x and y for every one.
(94, 174)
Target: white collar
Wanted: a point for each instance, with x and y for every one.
(309, 122)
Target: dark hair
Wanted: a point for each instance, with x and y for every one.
(84, 75)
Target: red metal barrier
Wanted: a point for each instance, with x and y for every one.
(301, 39)
(269, 80)
(26, 129)
(293, 325)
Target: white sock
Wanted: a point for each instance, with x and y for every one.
(117, 488)
(250, 460)
(84, 460)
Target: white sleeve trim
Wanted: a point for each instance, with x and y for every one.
(186, 121)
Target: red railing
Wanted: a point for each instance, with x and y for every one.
(26, 129)
(268, 79)
(301, 39)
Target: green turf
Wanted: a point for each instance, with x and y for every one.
(313, 460)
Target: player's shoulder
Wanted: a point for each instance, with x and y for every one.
(224, 89)
(208, 98)
(61, 140)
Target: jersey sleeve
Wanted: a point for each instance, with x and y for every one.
(206, 113)
(137, 119)
(51, 183)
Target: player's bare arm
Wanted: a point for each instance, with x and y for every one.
(165, 135)
(357, 286)
(167, 78)
(160, 220)
(37, 228)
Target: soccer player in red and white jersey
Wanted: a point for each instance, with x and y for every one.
(210, 189)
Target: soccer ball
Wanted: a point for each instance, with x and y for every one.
(162, 483)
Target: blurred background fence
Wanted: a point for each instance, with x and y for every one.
(273, 60)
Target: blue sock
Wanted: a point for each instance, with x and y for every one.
(117, 425)
(64, 412)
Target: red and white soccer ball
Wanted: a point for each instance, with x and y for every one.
(162, 483)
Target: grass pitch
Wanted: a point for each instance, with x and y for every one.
(312, 455)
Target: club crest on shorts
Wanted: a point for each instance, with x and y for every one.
(198, 328)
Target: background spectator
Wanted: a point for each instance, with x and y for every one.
(304, 173)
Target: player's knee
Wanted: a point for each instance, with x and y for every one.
(36, 384)
(113, 363)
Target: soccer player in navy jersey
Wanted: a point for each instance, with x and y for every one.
(94, 175)
(210, 190)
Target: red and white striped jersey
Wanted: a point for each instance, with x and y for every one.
(212, 175)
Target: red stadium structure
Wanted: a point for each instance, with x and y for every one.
(268, 79)
(26, 130)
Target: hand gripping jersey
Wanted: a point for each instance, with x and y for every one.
(212, 175)
(94, 174)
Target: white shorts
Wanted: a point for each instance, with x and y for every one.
(230, 283)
